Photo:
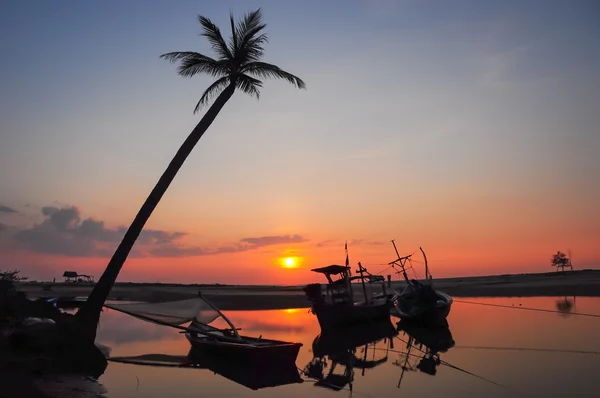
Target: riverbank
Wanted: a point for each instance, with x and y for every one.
(238, 297)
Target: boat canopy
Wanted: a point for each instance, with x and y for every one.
(366, 278)
(331, 269)
(172, 313)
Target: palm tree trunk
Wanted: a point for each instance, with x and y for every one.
(89, 314)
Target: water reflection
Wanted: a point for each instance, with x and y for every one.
(423, 348)
(373, 363)
(245, 373)
(340, 349)
(566, 305)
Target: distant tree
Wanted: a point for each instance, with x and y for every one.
(12, 276)
(561, 261)
(7, 281)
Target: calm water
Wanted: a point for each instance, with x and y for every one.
(519, 372)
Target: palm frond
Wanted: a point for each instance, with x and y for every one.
(264, 70)
(192, 63)
(233, 42)
(237, 61)
(249, 41)
(249, 27)
(253, 50)
(212, 91)
(249, 85)
(213, 35)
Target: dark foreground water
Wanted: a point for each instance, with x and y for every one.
(497, 352)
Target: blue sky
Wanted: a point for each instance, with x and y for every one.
(416, 111)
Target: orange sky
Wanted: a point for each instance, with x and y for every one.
(474, 135)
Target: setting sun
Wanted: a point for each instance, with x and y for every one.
(290, 262)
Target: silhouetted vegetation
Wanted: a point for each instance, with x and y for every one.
(561, 261)
(12, 276)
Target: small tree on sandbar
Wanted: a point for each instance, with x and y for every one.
(237, 66)
(561, 261)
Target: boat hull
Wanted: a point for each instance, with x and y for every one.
(431, 315)
(335, 316)
(259, 352)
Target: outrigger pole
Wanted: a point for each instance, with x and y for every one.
(427, 274)
(211, 305)
(400, 261)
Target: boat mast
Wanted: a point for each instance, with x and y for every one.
(362, 279)
(427, 274)
(233, 328)
(347, 275)
(400, 260)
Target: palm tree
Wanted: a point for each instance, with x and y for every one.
(237, 66)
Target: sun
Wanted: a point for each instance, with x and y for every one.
(290, 262)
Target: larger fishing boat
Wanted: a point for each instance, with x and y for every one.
(336, 307)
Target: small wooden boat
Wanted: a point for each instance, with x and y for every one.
(420, 301)
(203, 337)
(227, 343)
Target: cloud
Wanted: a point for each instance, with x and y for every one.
(498, 68)
(324, 243)
(273, 240)
(242, 245)
(64, 232)
(353, 242)
(364, 242)
(6, 209)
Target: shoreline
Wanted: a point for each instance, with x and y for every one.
(239, 297)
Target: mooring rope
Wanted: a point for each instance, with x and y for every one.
(527, 308)
(555, 350)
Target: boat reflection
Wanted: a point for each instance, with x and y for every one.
(245, 373)
(423, 348)
(363, 347)
(251, 375)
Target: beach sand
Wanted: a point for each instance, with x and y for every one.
(232, 297)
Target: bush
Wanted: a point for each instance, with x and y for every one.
(12, 276)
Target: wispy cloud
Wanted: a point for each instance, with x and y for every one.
(242, 245)
(6, 209)
(273, 240)
(365, 242)
(498, 68)
(64, 232)
(352, 242)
